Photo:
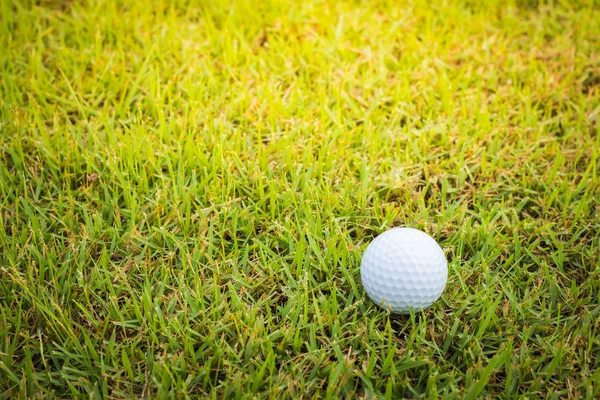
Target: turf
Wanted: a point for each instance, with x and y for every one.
(187, 187)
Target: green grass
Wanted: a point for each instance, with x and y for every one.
(187, 187)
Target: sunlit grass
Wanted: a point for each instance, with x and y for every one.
(186, 189)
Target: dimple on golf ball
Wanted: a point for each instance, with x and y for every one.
(403, 269)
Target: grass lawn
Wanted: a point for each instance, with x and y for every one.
(187, 188)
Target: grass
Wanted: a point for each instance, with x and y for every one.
(187, 187)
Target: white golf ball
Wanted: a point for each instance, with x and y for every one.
(404, 268)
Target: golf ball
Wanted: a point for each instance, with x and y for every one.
(404, 268)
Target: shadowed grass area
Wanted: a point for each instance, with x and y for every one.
(187, 187)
